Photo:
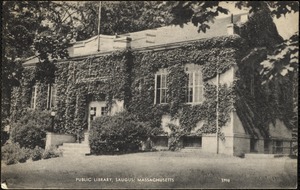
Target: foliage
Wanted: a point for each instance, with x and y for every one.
(12, 153)
(174, 137)
(30, 130)
(36, 153)
(119, 133)
(51, 152)
(197, 12)
(4, 137)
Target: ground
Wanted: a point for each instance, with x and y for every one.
(180, 170)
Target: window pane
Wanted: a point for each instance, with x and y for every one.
(197, 78)
(198, 94)
(158, 77)
(163, 96)
(190, 95)
(163, 81)
(190, 79)
(158, 96)
(53, 96)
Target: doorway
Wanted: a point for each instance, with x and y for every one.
(96, 109)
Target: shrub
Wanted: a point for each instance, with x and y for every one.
(36, 153)
(240, 155)
(24, 154)
(30, 130)
(175, 137)
(12, 153)
(52, 152)
(120, 133)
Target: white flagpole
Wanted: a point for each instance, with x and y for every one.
(217, 110)
(99, 18)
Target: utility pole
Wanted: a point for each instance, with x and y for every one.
(217, 110)
(99, 18)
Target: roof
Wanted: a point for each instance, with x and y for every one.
(173, 34)
(151, 38)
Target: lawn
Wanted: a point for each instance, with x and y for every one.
(153, 170)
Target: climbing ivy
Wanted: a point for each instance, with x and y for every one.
(130, 76)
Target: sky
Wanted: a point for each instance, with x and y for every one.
(286, 25)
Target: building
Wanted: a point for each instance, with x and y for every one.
(168, 77)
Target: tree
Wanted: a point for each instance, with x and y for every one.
(45, 29)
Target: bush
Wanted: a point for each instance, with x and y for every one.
(30, 130)
(52, 152)
(12, 153)
(120, 133)
(36, 153)
(240, 155)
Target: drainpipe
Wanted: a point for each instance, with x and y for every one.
(217, 109)
(99, 18)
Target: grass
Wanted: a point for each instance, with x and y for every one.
(185, 170)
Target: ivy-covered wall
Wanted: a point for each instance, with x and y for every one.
(77, 82)
(220, 53)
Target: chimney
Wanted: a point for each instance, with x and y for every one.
(122, 42)
(230, 27)
(244, 18)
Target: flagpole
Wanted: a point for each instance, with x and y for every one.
(217, 110)
(99, 18)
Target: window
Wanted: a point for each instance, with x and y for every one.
(192, 141)
(267, 146)
(278, 147)
(253, 145)
(195, 83)
(104, 110)
(93, 113)
(33, 97)
(161, 86)
(51, 98)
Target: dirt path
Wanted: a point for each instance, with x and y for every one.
(153, 170)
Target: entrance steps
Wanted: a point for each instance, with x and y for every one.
(75, 149)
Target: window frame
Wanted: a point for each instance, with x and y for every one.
(51, 96)
(194, 69)
(161, 72)
(33, 97)
(104, 111)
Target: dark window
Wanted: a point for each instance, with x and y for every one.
(51, 99)
(104, 110)
(160, 141)
(93, 112)
(192, 141)
(278, 147)
(253, 145)
(267, 146)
